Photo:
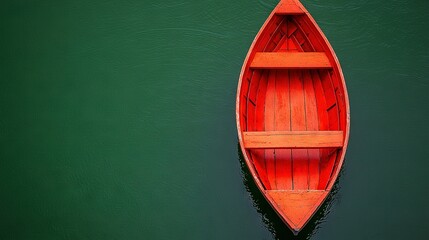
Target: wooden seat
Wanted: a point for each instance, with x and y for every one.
(290, 60)
(293, 139)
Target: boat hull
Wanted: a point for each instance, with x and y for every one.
(292, 113)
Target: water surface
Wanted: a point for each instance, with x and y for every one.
(118, 120)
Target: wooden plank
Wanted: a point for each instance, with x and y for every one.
(293, 139)
(270, 112)
(258, 159)
(291, 28)
(298, 123)
(291, 60)
(251, 99)
(327, 164)
(324, 168)
(258, 155)
(312, 121)
(282, 121)
(260, 103)
(254, 85)
(331, 100)
(321, 101)
(276, 36)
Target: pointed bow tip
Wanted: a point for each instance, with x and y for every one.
(295, 228)
(290, 7)
(295, 231)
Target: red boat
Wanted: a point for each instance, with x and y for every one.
(292, 113)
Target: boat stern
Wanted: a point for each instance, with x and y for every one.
(296, 207)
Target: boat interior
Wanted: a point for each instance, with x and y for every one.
(292, 106)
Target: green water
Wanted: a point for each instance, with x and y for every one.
(117, 120)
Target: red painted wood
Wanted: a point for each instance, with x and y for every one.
(288, 7)
(323, 126)
(290, 60)
(299, 205)
(291, 81)
(265, 43)
(254, 86)
(258, 157)
(326, 167)
(322, 114)
(291, 46)
(281, 46)
(270, 112)
(312, 125)
(329, 156)
(282, 123)
(260, 99)
(259, 154)
(331, 100)
(251, 99)
(276, 35)
(298, 123)
(301, 37)
(293, 139)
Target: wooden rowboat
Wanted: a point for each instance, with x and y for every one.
(292, 113)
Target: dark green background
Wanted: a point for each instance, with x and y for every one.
(117, 120)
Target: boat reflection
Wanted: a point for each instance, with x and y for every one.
(272, 221)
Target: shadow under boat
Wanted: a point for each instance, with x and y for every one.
(270, 218)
